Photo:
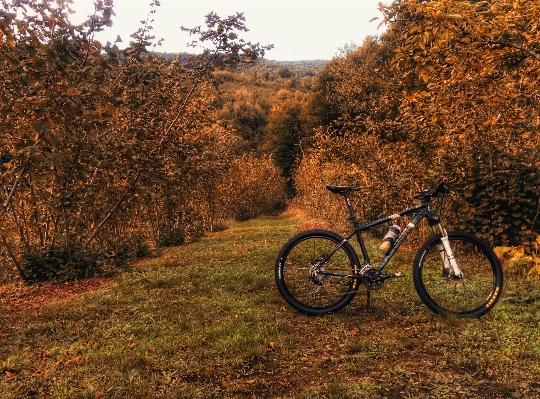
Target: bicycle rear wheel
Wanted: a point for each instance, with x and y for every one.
(472, 295)
(307, 282)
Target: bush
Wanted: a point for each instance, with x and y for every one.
(387, 183)
(253, 187)
(58, 265)
(171, 238)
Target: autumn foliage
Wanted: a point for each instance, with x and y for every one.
(105, 152)
(108, 153)
(450, 89)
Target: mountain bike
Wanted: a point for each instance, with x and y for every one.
(454, 273)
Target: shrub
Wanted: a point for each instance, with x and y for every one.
(172, 237)
(253, 187)
(61, 265)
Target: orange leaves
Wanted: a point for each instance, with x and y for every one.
(247, 178)
(73, 91)
(493, 121)
(39, 373)
(68, 363)
(71, 362)
(11, 376)
(285, 383)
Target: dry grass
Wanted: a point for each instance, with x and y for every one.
(205, 321)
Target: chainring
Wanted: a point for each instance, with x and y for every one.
(373, 279)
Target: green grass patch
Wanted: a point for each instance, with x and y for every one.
(205, 320)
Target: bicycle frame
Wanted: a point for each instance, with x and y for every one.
(419, 211)
(319, 271)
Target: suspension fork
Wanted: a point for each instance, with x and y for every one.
(445, 249)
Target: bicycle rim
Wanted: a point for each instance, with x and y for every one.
(316, 292)
(471, 296)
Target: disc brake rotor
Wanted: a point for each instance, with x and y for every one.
(316, 273)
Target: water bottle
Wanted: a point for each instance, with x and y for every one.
(389, 239)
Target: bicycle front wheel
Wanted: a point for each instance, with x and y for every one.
(472, 295)
(314, 272)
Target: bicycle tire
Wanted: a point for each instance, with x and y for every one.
(306, 294)
(471, 296)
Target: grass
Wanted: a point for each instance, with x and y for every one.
(205, 321)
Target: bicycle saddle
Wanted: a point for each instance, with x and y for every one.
(341, 189)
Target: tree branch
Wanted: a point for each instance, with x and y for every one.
(133, 184)
(517, 47)
(13, 189)
(13, 258)
(85, 198)
(126, 195)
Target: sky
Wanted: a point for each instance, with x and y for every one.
(298, 29)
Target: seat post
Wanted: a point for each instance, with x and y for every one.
(360, 241)
(351, 209)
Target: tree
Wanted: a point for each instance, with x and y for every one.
(285, 131)
(244, 115)
(90, 132)
(480, 62)
(363, 143)
(448, 90)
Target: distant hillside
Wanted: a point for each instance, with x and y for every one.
(270, 68)
(283, 69)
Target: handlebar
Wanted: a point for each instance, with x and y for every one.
(441, 188)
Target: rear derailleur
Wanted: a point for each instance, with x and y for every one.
(316, 271)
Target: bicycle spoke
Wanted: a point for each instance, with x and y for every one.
(309, 281)
(469, 295)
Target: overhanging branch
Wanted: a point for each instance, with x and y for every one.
(517, 47)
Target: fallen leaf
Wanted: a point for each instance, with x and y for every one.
(130, 346)
(72, 91)
(38, 373)
(73, 361)
(272, 344)
(11, 376)
(250, 381)
(285, 383)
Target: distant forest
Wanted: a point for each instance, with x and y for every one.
(107, 154)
